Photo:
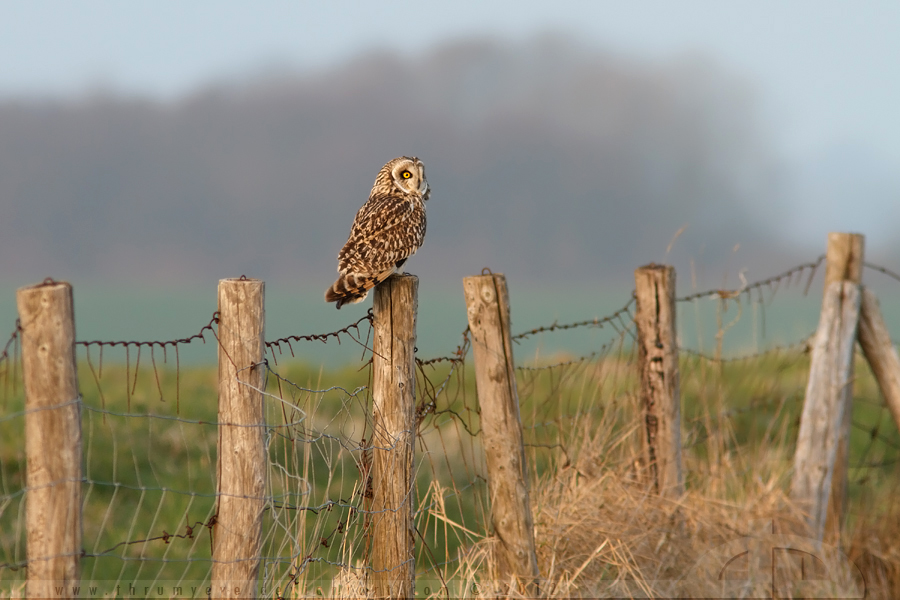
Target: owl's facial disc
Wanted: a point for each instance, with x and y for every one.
(407, 177)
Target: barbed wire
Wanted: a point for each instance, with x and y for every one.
(200, 335)
(14, 566)
(611, 320)
(211, 522)
(565, 363)
(13, 339)
(770, 282)
(165, 536)
(802, 345)
(10, 363)
(324, 337)
(882, 270)
(431, 392)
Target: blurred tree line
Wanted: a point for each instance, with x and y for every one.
(549, 161)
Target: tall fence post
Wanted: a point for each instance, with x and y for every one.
(52, 439)
(658, 363)
(392, 557)
(819, 482)
(487, 304)
(241, 465)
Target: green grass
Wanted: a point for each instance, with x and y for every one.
(150, 459)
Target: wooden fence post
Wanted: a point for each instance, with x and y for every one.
(658, 363)
(393, 439)
(241, 465)
(819, 482)
(879, 351)
(487, 303)
(52, 439)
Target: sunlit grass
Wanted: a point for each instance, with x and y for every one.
(150, 459)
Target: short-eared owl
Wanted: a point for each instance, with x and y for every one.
(388, 229)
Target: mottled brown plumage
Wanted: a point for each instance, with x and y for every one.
(388, 229)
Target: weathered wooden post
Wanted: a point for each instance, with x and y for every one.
(487, 303)
(392, 551)
(52, 439)
(241, 465)
(819, 482)
(880, 353)
(658, 363)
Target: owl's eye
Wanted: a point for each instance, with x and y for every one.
(406, 174)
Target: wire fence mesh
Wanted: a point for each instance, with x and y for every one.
(150, 434)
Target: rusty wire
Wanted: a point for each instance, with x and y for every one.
(612, 320)
(13, 339)
(190, 530)
(153, 344)
(165, 537)
(882, 270)
(801, 345)
(5, 359)
(13, 566)
(430, 391)
(322, 337)
(770, 282)
(458, 356)
(161, 344)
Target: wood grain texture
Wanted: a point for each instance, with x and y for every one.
(241, 463)
(844, 260)
(658, 364)
(393, 439)
(826, 404)
(844, 257)
(52, 438)
(875, 340)
(487, 302)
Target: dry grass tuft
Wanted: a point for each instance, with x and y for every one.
(735, 533)
(874, 547)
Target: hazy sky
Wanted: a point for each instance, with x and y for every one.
(826, 73)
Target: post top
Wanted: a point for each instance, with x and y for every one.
(242, 278)
(484, 276)
(654, 267)
(49, 282)
(403, 276)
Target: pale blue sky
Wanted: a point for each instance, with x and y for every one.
(826, 73)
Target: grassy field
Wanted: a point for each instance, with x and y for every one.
(150, 455)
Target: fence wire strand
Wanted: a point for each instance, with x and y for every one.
(150, 498)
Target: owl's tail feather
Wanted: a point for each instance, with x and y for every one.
(351, 288)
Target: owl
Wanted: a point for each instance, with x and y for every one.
(387, 230)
